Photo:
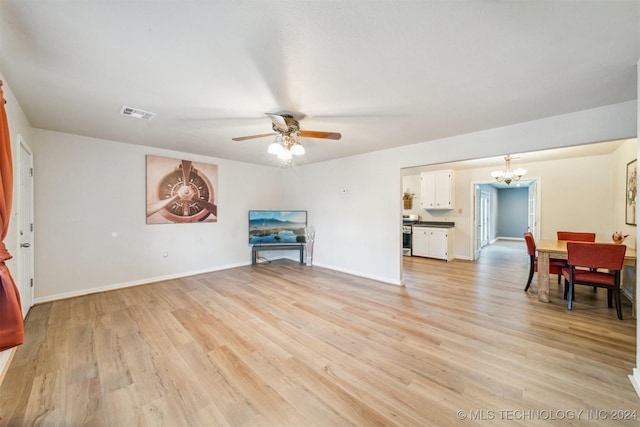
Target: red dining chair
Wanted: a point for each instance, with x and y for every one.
(594, 258)
(576, 236)
(555, 266)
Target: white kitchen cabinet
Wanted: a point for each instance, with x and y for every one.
(420, 241)
(437, 190)
(432, 242)
(439, 243)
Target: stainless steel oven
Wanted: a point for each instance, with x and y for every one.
(407, 222)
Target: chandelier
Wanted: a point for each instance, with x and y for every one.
(285, 147)
(508, 175)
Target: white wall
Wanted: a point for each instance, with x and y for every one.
(412, 183)
(357, 223)
(86, 189)
(623, 155)
(599, 200)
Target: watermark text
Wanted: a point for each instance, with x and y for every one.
(547, 414)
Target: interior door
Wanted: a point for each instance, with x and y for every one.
(485, 215)
(477, 223)
(482, 217)
(24, 217)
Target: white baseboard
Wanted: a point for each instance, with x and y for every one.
(366, 276)
(146, 281)
(635, 380)
(5, 360)
(114, 286)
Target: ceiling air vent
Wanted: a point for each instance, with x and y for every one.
(138, 114)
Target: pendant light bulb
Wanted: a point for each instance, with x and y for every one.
(297, 149)
(274, 148)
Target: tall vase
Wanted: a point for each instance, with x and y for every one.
(310, 235)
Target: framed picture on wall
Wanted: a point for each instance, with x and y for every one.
(631, 192)
(181, 191)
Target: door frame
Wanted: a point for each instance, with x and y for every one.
(28, 294)
(534, 209)
(474, 226)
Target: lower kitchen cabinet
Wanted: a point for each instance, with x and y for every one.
(432, 242)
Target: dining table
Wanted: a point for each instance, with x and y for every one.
(548, 249)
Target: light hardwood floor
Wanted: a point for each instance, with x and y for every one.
(282, 344)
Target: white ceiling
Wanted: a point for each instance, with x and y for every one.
(383, 73)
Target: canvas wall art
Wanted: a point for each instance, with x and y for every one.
(181, 191)
(631, 190)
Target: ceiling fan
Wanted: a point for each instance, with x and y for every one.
(287, 129)
(285, 124)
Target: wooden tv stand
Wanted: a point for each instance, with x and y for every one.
(257, 248)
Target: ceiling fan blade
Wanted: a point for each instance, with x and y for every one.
(319, 134)
(243, 138)
(279, 121)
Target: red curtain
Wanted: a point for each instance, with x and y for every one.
(11, 324)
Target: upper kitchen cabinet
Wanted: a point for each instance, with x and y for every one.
(436, 190)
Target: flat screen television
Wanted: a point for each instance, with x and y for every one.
(277, 227)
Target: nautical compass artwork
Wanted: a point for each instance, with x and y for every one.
(181, 191)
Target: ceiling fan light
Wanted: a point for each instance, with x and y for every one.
(297, 149)
(274, 148)
(284, 155)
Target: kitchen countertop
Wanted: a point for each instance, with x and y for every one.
(435, 224)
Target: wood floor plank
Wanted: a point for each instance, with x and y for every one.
(283, 344)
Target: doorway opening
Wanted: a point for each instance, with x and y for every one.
(502, 212)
